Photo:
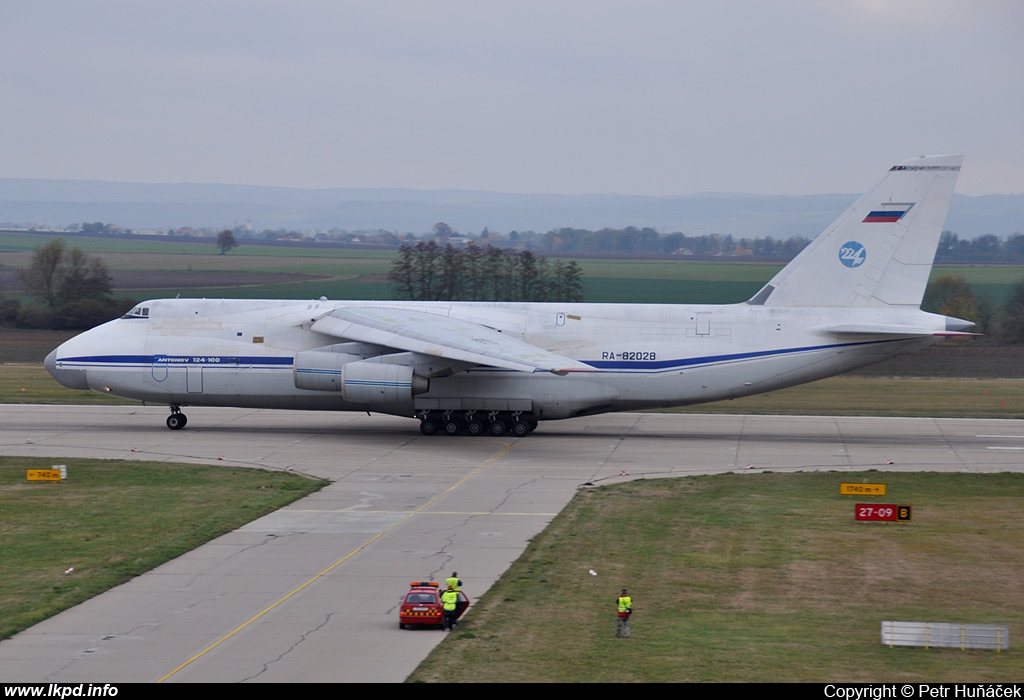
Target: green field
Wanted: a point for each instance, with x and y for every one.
(165, 268)
(760, 578)
(166, 245)
(112, 520)
(148, 269)
(703, 282)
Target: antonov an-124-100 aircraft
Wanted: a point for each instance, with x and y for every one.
(850, 298)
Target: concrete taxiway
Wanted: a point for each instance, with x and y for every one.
(310, 593)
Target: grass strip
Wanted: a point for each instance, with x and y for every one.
(851, 395)
(114, 520)
(752, 577)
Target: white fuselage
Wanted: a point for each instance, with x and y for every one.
(243, 353)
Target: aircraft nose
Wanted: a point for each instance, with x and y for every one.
(71, 378)
(50, 363)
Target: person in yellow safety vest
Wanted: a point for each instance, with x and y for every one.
(453, 581)
(625, 609)
(450, 603)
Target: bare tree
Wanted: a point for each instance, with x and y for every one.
(41, 277)
(60, 276)
(402, 274)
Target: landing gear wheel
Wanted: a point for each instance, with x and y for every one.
(429, 427)
(452, 427)
(498, 427)
(474, 428)
(176, 421)
(520, 428)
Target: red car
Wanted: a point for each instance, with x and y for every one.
(422, 605)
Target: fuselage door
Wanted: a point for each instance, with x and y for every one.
(194, 379)
(159, 368)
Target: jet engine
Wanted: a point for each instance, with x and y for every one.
(361, 381)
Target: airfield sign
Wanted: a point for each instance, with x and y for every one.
(847, 489)
(881, 512)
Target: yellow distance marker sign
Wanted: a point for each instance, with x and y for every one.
(42, 474)
(862, 489)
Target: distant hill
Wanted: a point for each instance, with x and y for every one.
(61, 203)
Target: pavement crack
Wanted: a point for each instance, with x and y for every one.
(280, 657)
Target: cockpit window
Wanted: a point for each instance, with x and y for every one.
(138, 312)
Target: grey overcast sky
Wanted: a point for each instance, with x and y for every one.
(553, 96)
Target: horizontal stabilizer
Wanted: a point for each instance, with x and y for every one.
(877, 329)
(441, 336)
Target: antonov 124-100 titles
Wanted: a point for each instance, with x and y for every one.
(850, 298)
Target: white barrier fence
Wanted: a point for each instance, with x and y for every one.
(945, 634)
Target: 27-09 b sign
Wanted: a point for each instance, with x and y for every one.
(881, 511)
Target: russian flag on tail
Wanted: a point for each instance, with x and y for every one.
(888, 213)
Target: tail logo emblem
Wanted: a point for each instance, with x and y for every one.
(852, 254)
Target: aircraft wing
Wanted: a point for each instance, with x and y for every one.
(442, 336)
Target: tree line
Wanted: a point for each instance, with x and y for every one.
(428, 272)
(982, 249)
(632, 241)
(628, 241)
(951, 295)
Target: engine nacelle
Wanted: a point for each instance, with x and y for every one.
(380, 385)
(320, 370)
(368, 382)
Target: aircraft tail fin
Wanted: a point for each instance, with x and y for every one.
(879, 253)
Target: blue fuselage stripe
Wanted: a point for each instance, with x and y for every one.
(666, 365)
(148, 361)
(174, 360)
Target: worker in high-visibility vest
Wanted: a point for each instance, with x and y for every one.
(453, 581)
(450, 606)
(624, 605)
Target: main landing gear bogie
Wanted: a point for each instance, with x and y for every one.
(177, 420)
(493, 423)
